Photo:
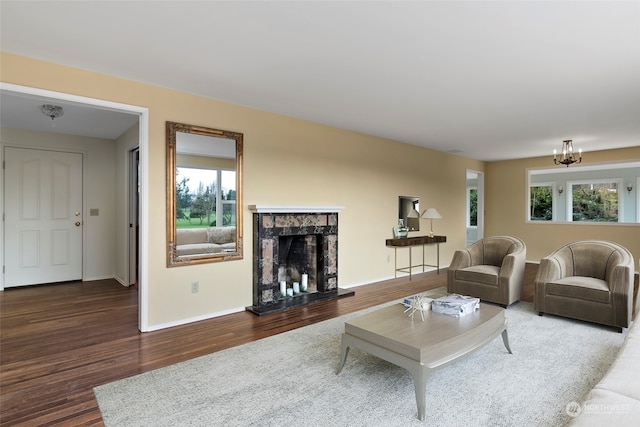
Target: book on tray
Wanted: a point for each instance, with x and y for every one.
(418, 301)
(455, 305)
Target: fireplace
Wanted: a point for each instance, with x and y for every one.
(292, 247)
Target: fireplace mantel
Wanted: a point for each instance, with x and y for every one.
(294, 209)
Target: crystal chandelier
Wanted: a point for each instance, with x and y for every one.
(568, 157)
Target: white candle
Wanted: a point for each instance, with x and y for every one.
(305, 282)
(283, 287)
(296, 287)
(289, 292)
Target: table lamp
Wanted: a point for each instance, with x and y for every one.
(431, 214)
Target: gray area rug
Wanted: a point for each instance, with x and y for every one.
(290, 379)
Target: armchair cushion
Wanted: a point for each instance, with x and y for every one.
(586, 288)
(487, 274)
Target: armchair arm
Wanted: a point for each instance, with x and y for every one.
(511, 276)
(550, 269)
(621, 286)
(461, 259)
(512, 265)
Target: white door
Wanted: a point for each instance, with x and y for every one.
(43, 216)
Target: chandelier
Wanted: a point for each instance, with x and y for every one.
(568, 157)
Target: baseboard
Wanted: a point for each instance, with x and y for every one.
(89, 279)
(193, 319)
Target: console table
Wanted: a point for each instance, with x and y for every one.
(408, 242)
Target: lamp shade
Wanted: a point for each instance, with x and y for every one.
(431, 213)
(413, 214)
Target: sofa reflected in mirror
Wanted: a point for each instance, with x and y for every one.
(204, 241)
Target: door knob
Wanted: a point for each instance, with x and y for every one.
(77, 223)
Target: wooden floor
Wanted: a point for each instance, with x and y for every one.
(59, 341)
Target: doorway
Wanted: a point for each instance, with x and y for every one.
(134, 216)
(141, 115)
(474, 193)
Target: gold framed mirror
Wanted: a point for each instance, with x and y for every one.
(204, 195)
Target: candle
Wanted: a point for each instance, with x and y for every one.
(289, 292)
(296, 287)
(283, 287)
(305, 282)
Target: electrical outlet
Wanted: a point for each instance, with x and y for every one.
(194, 287)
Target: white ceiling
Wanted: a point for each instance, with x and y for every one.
(488, 80)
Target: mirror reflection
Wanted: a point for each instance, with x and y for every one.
(409, 211)
(203, 194)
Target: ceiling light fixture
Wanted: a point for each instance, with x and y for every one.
(53, 111)
(568, 158)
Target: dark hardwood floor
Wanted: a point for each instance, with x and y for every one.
(59, 341)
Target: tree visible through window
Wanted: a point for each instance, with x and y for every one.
(541, 203)
(473, 207)
(595, 201)
(205, 197)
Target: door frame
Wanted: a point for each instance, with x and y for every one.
(143, 137)
(133, 211)
(480, 187)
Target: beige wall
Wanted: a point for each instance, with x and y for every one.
(506, 208)
(294, 162)
(286, 161)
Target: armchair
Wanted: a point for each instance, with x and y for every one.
(589, 280)
(491, 269)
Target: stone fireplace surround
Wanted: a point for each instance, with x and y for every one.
(274, 230)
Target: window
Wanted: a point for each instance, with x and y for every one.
(594, 201)
(472, 206)
(541, 202)
(594, 193)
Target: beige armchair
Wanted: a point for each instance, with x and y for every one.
(589, 280)
(491, 269)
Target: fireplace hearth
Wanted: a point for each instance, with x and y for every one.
(289, 242)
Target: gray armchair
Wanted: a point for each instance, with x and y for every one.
(589, 280)
(491, 269)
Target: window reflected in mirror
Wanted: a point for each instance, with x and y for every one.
(205, 197)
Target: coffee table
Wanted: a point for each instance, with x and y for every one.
(422, 346)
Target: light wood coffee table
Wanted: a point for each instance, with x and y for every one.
(422, 346)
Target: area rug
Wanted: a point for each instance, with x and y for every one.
(290, 379)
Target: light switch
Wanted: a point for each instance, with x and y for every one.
(94, 212)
